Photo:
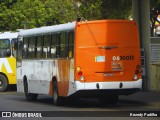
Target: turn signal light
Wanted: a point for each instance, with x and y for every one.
(80, 73)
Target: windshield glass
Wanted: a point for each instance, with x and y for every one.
(5, 48)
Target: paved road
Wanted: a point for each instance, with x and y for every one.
(143, 101)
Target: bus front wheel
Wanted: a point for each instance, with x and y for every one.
(29, 96)
(3, 83)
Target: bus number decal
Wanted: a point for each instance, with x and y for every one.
(116, 58)
(131, 57)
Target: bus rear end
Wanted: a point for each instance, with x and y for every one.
(107, 57)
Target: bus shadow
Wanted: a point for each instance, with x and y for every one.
(94, 103)
(12, 88)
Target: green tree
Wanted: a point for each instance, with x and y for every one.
(90, 9)
(6, 17)
(19, 14)
(36, 13)
(60, 11)
(116, 9)
(30, 13)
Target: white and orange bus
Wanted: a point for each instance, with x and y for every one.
(80, 59)
(7, 60)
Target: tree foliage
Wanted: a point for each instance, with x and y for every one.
(24, 14)
(116, 9)
(90, 9)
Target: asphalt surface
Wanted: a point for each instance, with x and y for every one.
(141, 102)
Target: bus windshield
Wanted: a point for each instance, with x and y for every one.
(5, 50)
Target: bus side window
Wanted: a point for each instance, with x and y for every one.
(71, 44)
(39, 47)
(54, 46)
(31, 48)
(63, 46)
(25, 47)
(13, 46)
(19, 51)
(46, 46)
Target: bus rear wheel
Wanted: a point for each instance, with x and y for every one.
(29, 96)
(57, 100)
(3, 83)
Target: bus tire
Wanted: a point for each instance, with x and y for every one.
(29, 96)
(3, 83)
(57, 100)
(108, 100)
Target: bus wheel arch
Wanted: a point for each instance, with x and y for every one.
(56, 98)
(3, 82)
(29, 96)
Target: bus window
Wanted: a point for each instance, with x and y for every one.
(63, 45)
(39, 47)
(54, 46)
(31, 48)
(46, 46)
(71, 45)
(13, 47)
(25, 48)
(19, 52)
(5, 48)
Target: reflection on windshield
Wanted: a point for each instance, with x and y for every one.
(5, 50)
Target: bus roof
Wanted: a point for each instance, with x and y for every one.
(8, 35)
(62, 27)
(108, 21)
(48, 29)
